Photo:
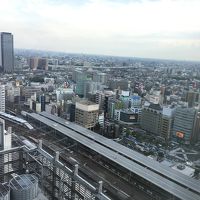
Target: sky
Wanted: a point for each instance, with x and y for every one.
(166, 29)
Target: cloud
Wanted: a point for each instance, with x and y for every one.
(77, 3)
(121, 27)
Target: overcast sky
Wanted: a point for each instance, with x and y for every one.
(143, 28)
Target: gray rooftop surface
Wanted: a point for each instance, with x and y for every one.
(131, 154)
(128, 164)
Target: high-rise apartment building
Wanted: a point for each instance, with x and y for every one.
(6, 52)
(2, 98)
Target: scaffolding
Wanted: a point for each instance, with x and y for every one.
(56, 181)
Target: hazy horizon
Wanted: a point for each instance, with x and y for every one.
(158, 29)
(106, 55)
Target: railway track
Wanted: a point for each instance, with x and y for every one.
(112, 183)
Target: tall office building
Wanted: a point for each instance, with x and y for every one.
(151, 118)
(6, 52)
(81, 77)
(192, 98)
(184, 123)
(2, 98)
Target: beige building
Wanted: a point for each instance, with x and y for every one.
(86, 113)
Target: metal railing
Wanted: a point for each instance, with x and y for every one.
(56, 181)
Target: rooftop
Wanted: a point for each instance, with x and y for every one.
(86, 102)
(155, 106)
(188, 171)
(168, 178)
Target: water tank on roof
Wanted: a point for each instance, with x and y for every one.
(4, 192)
(24, 187)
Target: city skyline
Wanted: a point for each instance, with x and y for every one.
(139, 28)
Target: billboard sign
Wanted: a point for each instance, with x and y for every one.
(180, 134)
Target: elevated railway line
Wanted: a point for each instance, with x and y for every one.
(181, 189)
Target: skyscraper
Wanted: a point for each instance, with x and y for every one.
(6, 52)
